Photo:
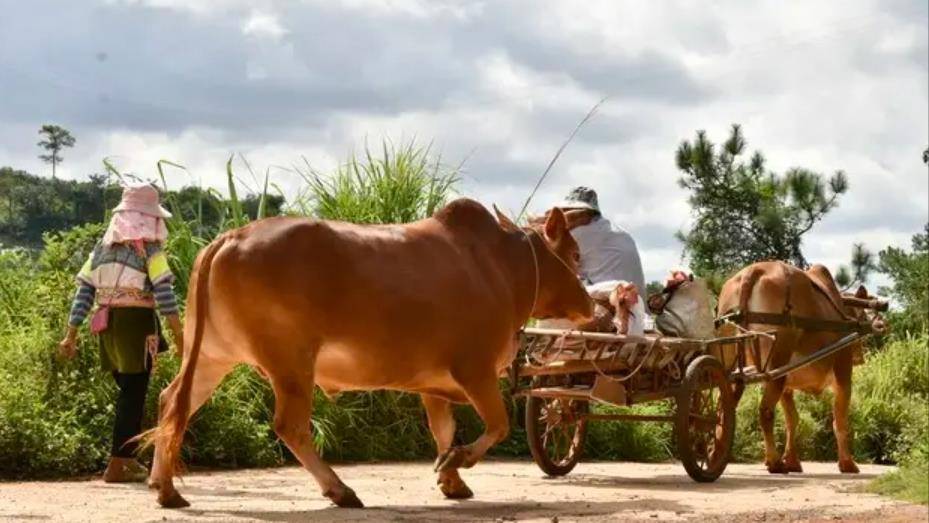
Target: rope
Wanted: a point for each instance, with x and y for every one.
(535, 263)
(635, 371)
(725, 319)
(540, 360)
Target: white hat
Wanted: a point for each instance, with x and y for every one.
(580, 198)
(142, 198)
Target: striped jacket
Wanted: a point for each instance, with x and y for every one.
(118, 276)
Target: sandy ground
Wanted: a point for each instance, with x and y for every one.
(505, 491)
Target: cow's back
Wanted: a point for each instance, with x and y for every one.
(370, 298)
(776, 287)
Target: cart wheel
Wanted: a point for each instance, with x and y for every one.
(705, 419)
(556, 433)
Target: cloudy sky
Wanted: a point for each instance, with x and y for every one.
(824, 85)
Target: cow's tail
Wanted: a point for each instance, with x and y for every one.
(749, 279)
(173, 419)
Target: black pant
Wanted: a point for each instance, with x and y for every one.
(130, 407)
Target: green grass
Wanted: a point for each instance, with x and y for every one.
(399, 184)
(909, 483)
(55, 415)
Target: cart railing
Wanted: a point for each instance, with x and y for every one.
(647, 338)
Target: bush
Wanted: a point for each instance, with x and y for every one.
(908, 483)
(55, 416)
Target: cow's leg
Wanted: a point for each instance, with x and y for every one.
(773, 391)
(208, 374)
(840, 406)
(292, 412)
(442, 425)
(484, 394)
(791, 419)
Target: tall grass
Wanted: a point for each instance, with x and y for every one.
(55, 415)
(889, 417)
(399, 184)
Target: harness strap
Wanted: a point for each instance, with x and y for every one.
(535, 263)
(800, 322)
(787, 305)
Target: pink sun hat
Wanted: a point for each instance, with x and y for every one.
(143, 199)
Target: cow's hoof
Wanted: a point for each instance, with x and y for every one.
(346, 499)
(455, 490)
(778, 467)
(451, 459)
(793, 465)
(848, 467)
(172, 499)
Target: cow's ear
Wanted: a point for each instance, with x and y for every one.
(555, 225)
(506, 223)
(861, 292)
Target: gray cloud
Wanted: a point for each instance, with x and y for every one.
(843, 87)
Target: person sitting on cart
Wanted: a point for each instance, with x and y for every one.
(607, 252)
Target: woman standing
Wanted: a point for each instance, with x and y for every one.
(127, 275)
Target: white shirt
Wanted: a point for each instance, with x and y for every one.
(608, 253)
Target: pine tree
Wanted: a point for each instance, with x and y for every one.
(744, 213)
(56, 139)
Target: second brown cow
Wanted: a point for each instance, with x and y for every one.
(775, 288)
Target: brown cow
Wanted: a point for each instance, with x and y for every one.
(764, 288)
(429, 307)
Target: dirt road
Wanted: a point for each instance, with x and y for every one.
(505, 491)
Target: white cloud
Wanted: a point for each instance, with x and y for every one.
(821, 85)
(423, 9)
(263, 25)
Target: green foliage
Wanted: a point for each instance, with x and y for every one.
(401, 185)
(52, 415)
(55, 415)
(55, 139)
(744, 213)
(862, 265)
(632, 441)
(911, 444)
(909, 483)
(889, 417)
(910, 274)
(653, 287)
(31, 205)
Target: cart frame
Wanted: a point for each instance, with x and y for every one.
(560, 372)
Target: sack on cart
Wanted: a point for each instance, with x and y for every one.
(684, 309)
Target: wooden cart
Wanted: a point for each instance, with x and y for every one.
(561, 372)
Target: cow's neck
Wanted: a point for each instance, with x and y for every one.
(523, 261)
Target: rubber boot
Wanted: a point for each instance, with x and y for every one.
(125, 470)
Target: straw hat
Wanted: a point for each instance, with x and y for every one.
(142, 198)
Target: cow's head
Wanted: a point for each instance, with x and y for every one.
(862, 306)
(561, 294)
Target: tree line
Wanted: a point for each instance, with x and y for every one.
(32, 205)
(742, 211)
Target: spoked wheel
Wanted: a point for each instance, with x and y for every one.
(705, 419)
(556, 433)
